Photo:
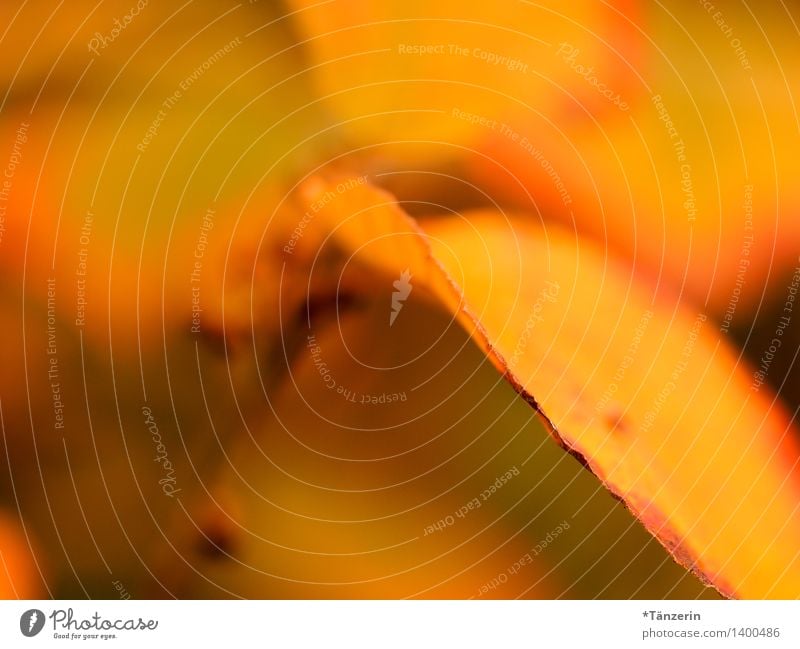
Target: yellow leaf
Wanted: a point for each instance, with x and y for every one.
(421, 79)
(641, 388)
(694, 184)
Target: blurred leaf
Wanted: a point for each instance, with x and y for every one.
(419, 72)
(696, 184)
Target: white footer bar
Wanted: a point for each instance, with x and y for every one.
(401, 624)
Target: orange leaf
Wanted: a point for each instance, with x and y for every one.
(639, 387)
(428, 73)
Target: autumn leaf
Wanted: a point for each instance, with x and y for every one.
(694, 182)
(236, 366)
(642, 390)
(434, 75)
